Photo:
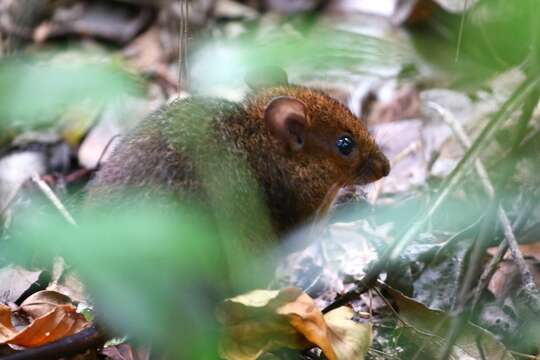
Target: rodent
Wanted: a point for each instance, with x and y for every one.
(300, 145)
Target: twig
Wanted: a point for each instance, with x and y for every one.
(89, 338)
(473, 270)
(526, 276)
(405, 323)
(47, 191)
(481, 351)
(524, 356)
(460, 316)
(501, 251)
(490, 269)
(454, 178)
(105, 149)
(183, 47)
(461, 26)
(457, 237)
(527, 279)
(394, 250)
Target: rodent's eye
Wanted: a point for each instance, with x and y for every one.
(345, 145)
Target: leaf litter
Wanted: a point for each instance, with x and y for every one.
(420, 290)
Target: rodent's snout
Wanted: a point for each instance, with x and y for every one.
(381, 165)
(376, 166)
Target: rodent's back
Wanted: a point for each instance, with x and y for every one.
(156, 158)
(187, 154)
(277, 148)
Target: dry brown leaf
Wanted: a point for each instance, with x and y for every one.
(126, 352)
(42, 302)
(6, 328)
(145, 52)
(349, 339)
(14, 281)
(430, 328)
(60, 322)
(66, 282)
(308, 320)
(264, 320)
(405, 105)
(252, 325)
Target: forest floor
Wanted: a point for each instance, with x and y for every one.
(440, 259)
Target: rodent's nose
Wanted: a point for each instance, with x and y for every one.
(381, 165)
(377, 166)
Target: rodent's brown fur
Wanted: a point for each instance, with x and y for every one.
(164, 155)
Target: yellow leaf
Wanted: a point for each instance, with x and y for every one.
(252, 324)
(349, 339)
(264, 320)
(308, 320)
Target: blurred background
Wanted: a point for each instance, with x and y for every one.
(449, 89)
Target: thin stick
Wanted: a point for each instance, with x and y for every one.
(480, 348)
(47, 191)
(105, 149)
(182, 46)
(461, 26)
(490, 269)
(90, 338)
(455, 177)
(526, 275)
(451, 182)
(473, 271)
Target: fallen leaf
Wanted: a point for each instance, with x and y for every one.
(66, 282)
(14, 281)
(405, 105)
(60, 322)
(264, 320)
(252, 325)
(6, 327)
(307, 319)
(145, 52)
(506, 281)
(349, 339)
(106, 20)
(429, 328)
(126, 352)
(42, 302)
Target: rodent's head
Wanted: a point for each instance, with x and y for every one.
(324, 144)
(309, 123)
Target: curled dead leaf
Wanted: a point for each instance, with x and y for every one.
(6, 327)
(60, 322)
(42, 302)
(349, 339)
(430, 327)
(264, 320)
(14, 281)
(253, 325)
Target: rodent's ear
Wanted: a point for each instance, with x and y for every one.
(286, 119)
(268, 76)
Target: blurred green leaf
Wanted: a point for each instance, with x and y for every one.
(320, 47)
(154, 273)
(36, 89)
(491, 37)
